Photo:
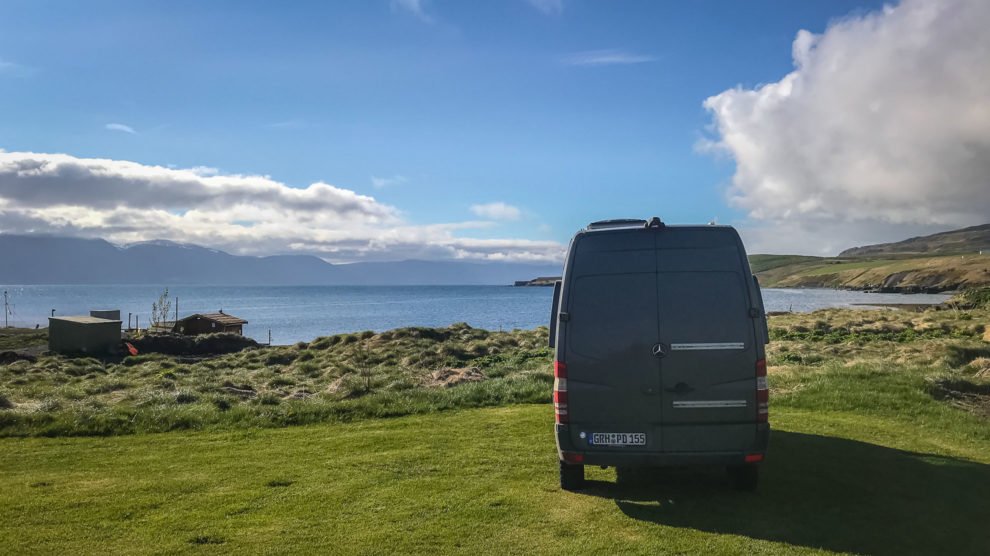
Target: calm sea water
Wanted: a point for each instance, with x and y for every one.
(295, 313)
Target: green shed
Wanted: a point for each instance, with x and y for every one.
(83, 335)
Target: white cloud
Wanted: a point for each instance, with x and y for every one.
(883, 127)
(548, 7)
(608, 57)
(6, 66)
(381, 183)
(125, 202)
(414, 7)
(120, 127)
(497, 211)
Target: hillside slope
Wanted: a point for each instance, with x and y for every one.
(965, 240)
(888, 274)
(946, 261)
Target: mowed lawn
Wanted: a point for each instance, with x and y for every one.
(485, 481)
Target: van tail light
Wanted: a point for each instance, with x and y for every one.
(762, 392)
(572, 458)
(560, 393)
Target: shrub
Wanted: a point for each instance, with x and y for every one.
(280, 358)
(972, 298)
(221, 402)
(268, 398)
(185, 396)
(280, 381)
(308, 368)
(49, 405)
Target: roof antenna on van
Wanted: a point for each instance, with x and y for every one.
(655, 222)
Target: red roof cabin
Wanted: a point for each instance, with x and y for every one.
(209, 323)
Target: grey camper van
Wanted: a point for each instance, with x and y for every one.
(659, 335)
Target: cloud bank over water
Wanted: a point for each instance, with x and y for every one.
(881, 131)
(125, 201)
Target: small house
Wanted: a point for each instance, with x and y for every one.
(209, 323)
(83, 335)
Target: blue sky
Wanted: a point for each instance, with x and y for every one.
(568, 111)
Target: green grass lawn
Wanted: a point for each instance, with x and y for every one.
(484, 480)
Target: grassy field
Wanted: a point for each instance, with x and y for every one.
(335, 378)
(19, 338)
(763, 263)
(485, 480)
(881, 445)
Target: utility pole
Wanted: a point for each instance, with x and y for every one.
(176, 309)
(6, 310)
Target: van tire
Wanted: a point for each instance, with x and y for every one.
(744, 477)
(571, 476)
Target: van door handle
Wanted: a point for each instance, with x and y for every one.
(679, 388)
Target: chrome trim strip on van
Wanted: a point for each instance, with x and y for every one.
(703, 346)
(709, 403)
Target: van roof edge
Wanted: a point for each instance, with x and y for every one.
(616, 223)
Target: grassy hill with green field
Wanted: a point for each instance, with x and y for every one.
(948, 261)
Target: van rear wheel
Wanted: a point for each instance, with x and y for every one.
(571, 476)
(744, 477)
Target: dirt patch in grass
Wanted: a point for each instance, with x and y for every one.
(959, 356)
(8, 357)
(980, 367)
(446, 378)
(207, 539)
(965, 394)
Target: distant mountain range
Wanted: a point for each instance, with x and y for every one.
(28, 259)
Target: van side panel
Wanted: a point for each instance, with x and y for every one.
(612, 375)
(708, 374)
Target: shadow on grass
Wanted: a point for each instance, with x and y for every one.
(829, 493)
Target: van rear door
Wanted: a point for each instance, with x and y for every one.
(613, 378)
(708, 370)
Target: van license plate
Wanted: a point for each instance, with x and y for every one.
(618, 439)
